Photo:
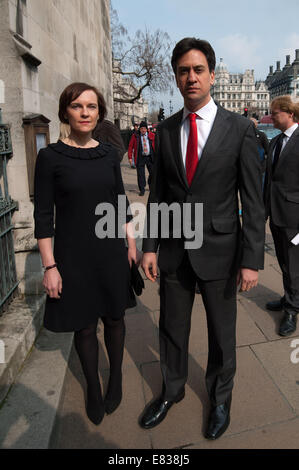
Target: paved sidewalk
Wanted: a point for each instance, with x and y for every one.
(265, 407)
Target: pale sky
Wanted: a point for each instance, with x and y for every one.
(247, 34)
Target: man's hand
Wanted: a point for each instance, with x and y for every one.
(247, 278)
(149, 266)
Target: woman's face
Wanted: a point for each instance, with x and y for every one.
(83, 112)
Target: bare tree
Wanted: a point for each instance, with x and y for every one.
(139, 62)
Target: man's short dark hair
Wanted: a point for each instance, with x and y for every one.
(186, 44)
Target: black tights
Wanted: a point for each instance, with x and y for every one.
(114, 336)
(86, 344)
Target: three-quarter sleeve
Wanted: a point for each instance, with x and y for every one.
(120, 190)
(44, 195)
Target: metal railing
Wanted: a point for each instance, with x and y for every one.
(8, 275)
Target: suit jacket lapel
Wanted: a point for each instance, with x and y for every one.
(270, 154)
(175, 138)
(288, 147)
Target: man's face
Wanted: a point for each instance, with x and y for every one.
(194, 79)
(143, 130)
(281, 119)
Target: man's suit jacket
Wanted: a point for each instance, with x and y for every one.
(229, 162)
(282, 187)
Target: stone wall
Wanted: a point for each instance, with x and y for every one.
(44, 46)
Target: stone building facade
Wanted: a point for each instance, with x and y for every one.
(44, 46)
(238, 91)
(284, 81)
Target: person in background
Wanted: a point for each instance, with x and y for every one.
(282, 206)
(82, 274)
(145, 148)
(132, 146)
(141, 154)
(263, 145)
(106, 131)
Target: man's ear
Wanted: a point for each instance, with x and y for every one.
(212, 77)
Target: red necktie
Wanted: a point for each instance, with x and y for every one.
(192, 152)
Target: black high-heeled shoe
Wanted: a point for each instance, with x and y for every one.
(113, 399)
(95, 409)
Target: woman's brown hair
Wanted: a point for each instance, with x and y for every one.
(71, 92)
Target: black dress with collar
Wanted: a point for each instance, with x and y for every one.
(95, 271)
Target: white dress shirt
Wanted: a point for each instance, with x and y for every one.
(204, 125)
(288, 133)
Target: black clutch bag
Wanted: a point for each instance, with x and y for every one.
(137, 282)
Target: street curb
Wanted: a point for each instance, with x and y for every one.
(19, 327)
(29, 411)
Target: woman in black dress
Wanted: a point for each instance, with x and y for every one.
(86, 277)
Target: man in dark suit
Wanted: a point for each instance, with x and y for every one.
(282, 205)
(204, 154)
(141, 151)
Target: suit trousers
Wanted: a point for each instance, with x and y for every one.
(141, 163)
(288, 259)
(177, 291)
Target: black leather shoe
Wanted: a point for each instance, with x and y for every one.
(275, 305)
(157, 411)
(141, 193)
(219, 420)
(288, 324)
(113, 395)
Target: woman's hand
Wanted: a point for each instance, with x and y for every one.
(135, 255)
(52, 283)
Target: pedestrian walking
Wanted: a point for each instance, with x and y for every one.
(133, 145)
(141, 150)
(86, 277)
(205, 154)
(282, 206)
